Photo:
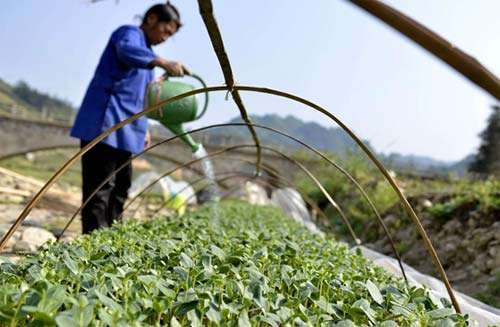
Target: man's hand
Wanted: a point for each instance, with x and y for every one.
(147, 140)
(173, 68)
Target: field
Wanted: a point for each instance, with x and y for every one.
(234, 264)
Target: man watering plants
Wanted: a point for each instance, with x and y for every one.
(115, 93)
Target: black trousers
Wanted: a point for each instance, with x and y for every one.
(106, 205)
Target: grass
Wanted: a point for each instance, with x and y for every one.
(492, 295)
(44, 165)
(463, 194)
(481, 196)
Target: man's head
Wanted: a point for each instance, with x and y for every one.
(160, 22)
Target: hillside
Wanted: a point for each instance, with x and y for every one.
(327, 139)
(333, 140)
(24, 101)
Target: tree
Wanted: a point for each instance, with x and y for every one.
(487, 160)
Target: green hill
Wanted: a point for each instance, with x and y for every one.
(333, 140)
(24, 101)
(327, 139)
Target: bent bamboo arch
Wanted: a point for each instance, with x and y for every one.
(74, 146)
(241, 146)
(301, 167)
(408, 208)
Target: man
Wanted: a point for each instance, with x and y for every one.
(116, 92)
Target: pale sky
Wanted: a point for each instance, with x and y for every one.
(384, 87)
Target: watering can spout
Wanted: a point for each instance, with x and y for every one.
(178, 129)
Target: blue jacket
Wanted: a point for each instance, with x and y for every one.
(117, 91)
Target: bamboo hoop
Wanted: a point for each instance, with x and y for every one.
(416, 221)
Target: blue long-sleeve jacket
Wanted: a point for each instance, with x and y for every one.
(117, 91)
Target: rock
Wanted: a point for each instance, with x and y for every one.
(494, 262)
(32, 223)
(23, 246)
(484, 239)
(17, 235)
(452, 227)
(426, 203)
(4, 228)
(480, 262)
(256, 194)
(36, 237)
(10, 198)
(390, 220)
(56, 231)
(476, 273)
(68, 237)
(471, 223)
(497, 234)
(494, 251)
(457, 275)
(449, 250)
(406, 235)
(30, 156)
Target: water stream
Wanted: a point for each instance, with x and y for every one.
(212, 194)
(212, 189)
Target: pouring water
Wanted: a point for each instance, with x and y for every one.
(208, 171)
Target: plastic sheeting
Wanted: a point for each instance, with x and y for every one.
(294, 206)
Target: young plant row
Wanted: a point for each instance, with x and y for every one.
(230, 265)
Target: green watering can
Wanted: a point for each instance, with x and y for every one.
(174, 114)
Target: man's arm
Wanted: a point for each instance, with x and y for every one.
(132, 52)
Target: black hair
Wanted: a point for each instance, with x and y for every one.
(165, 13)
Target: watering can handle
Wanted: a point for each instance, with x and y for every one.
(205, 106)
(202, 82)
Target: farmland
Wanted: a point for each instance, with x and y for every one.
(238, 265)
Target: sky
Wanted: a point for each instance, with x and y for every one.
(385, 88)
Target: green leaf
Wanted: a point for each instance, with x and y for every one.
(42, 319)
(218, 252)
(193, 319)
(186, 261)
(52, 299)
(441, 313)
(174, 323)
(213, 315)
(445, 323)
(374, 292)
(345, 323)
(186, 307)
(87, 315)
(284, 313)
(243, 320)
(71, 264)
(271, 319)
(364, 306)
(109, 302)
(66, 321)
